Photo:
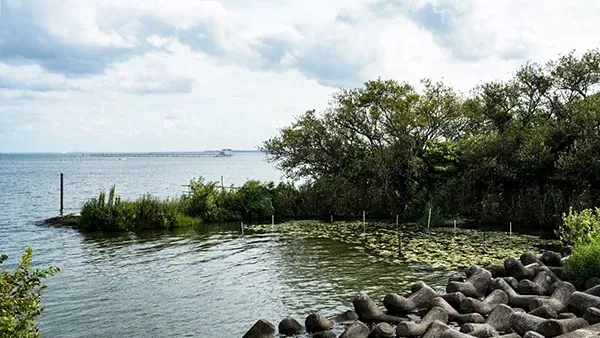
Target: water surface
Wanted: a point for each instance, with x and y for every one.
(205, 282)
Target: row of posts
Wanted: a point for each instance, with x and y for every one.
(364, 215)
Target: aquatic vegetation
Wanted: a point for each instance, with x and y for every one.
(443, 248)
(20, 293)
(115, 214)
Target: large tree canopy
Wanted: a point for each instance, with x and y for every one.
(521, 150)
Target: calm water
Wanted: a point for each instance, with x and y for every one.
(208, 282)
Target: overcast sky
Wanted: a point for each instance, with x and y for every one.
(141, 75)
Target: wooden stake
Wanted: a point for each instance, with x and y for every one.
(510, 229)
(242, 226)
(272, 219)
(429, 219)
(62, 193)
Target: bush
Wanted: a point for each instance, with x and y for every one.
(584, 262)
(20, 292)
(579, 227)
(148, 212)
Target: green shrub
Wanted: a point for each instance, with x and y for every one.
(20, 292)
(578, 227)
(584, 262)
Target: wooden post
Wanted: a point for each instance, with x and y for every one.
(364, 223)
(222, 182)
(242, 226)
(399, 237)
(454, 225)
(429, 220)
(510, 229)
(272, 219)
(62, 193)
(331, 218)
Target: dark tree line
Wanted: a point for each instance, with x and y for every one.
(521, 150)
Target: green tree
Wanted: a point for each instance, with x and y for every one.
(20, 292)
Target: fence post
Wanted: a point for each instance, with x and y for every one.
(364, 223)
(62, 193)
(429, 220)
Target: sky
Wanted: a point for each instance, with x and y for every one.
(146, 75)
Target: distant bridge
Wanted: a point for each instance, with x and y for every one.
(209, 153)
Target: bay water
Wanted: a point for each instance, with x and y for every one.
(205, 282)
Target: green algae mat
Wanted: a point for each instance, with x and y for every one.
(440, 248)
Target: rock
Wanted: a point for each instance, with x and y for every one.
(347, 317)
(556, 327)
(323, 334)
(485, 307)
(454, 315)
(512, 281)
(590, 283)
(436, 329)
(356, 330)
(544, 311)
(411, 329)
(529, 258)
(523, 322)
(368, 311)
(289, 327)
(383, 330)
(581, 301)
(261, 329)
(558, 300)
(317, 323)
(475, 286)
(499, 320)
(592, 315)
(419, 300)
(551, 258)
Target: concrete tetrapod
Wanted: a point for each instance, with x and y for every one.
(419, 300)
(592, 315)
(522, 322)
(514, 299)
(555, 327)
(544, 311)
(515, 268)
(558, 300)
(485, 307)
(383, 330)
(356, 330)
(261, 329)
(581, 301)
(368, 311)
(476, 284)
(436, 329)
(453, 315)
(540, 285)
(498, 320)
(411, 329)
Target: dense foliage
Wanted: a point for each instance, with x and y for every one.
(583, 263)
(148, 212)
(579, 227)
(20, 292)
(522, 150)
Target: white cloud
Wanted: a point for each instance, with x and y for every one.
(199, 74)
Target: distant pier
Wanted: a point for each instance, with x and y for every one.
(208, 153)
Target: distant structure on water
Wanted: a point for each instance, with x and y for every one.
(207, 153)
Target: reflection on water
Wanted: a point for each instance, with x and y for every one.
(208, 282)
